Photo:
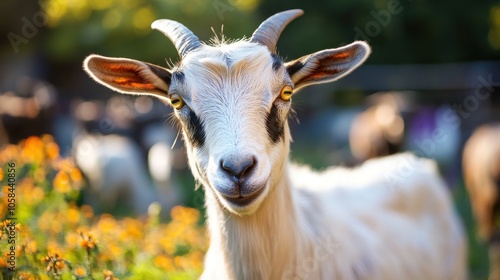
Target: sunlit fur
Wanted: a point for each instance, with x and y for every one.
(388, 219)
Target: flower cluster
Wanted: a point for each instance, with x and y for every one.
(59, 238)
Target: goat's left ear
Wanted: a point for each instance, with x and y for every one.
(327, 65)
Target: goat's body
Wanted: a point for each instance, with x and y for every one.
(389, 219)
(344, 224)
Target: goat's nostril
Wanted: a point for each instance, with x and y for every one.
(238, 168)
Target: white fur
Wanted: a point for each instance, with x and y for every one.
(365, 223)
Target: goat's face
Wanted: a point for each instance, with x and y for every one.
(232, 101)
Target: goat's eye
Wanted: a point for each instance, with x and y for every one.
(286, 93)
(176, 101)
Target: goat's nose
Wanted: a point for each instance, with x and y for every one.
(238, 167)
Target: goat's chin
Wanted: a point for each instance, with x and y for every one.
(246, 207)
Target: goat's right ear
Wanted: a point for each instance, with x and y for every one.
(129, 76)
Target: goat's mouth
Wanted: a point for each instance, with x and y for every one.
(241, 201)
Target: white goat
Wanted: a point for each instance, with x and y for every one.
(112, 164)
(266, 219)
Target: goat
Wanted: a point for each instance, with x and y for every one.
(114, 164)
(267, 218)
(379, 130)
(481, 170)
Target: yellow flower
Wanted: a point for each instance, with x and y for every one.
(62, 183)
(108, 275)
(168, 244)
(88, 241)
(76, 175)
(113, 252)
(164, 262)
(107, 224)
(73, 215)
(1, 174)
(32, 149)
(54, 262)
(132, 229)
(80, 272)
(23, 275)
(54, 248)
(50, 222)
(31, 247)
(188, 216)
(52, 150)
(72, 239)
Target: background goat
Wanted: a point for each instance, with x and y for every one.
(268, 219)
(115, 165)
(379, 130)
(481, 168)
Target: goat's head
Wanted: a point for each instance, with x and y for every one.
(232, 101)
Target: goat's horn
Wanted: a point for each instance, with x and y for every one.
(270, 30)
(183, 39)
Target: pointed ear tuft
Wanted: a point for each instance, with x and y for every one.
(327, 65)
(128, 76)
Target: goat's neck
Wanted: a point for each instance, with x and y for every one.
(249, 244)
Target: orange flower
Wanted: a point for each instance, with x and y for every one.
(52, 150)
(88, 241)
(107, 224)
(76, 175)
(73, 216)
(80, 272)
(72, 239)
(108, 275)
(32, 149)
(50, 222)
(54, 262)
(31, 247)
(23, 275)
(188, 216)
(62, 183)
(164, 262)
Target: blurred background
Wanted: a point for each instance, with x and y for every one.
(432, 79)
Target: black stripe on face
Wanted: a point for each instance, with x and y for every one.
(277, 62)
(275, 125)
(178, 76)
(295, 67)
(194, 130)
